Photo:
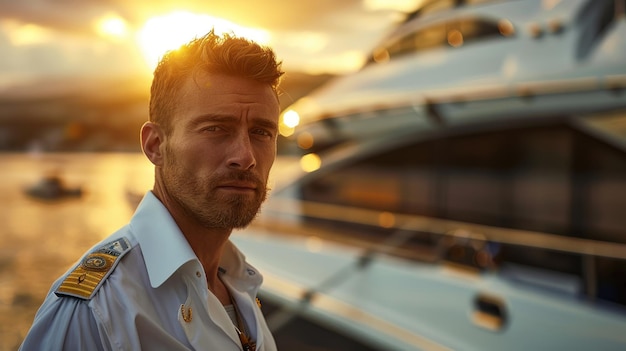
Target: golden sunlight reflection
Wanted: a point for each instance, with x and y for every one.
(168, 32)
(310, 162)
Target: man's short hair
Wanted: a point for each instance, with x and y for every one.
(212, 53)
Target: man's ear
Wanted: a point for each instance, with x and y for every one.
(152, 138)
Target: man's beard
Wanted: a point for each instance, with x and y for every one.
(237, 211)
(201, 199)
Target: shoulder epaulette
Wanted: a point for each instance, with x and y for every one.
(83, 282)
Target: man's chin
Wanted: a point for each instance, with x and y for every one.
(238, 218)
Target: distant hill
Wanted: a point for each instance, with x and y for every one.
(95, 115)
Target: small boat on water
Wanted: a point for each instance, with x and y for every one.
(53, 187)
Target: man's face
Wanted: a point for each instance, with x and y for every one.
(223, 143)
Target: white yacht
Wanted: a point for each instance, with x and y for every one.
(464, 61)
(465, 190)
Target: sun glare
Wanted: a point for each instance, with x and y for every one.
(112, 26)
(168, 32)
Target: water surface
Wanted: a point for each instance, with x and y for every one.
(40, 240)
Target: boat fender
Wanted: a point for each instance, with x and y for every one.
(86, 278)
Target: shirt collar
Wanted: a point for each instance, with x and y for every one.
(165, 248)
(163, 245)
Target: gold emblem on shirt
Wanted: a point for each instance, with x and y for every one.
(89, 275)
(187, 313)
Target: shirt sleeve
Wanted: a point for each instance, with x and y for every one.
(65, 323)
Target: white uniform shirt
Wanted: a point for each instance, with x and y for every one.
(144, 302)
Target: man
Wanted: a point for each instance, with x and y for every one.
(171, 279)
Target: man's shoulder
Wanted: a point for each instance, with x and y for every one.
(94, 268)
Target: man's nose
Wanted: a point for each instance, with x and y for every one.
(241, 155)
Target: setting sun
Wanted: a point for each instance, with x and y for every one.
(168, 32)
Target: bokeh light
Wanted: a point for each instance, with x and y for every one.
(310, 162)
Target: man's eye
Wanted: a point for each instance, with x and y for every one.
(263, 132)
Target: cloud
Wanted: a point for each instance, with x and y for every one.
(397, 5)
(65, 36)
(68, 16)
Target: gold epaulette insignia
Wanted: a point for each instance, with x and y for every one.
(83, 282)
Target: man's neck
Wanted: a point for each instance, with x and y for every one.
(208, 245)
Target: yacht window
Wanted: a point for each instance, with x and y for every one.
(551, 179)
(456, 33)
(434, 6)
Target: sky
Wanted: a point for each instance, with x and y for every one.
(59, 38)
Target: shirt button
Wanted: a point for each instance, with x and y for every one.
(198, 274)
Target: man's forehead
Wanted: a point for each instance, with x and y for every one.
(216, 81)
(198, 88)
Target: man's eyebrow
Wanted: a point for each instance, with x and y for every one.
(211, 118)
(266, 123)
(262, 122)
(214, 117)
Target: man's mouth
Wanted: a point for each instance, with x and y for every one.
(238, 186)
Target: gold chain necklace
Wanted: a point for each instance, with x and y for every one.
(246, 341)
